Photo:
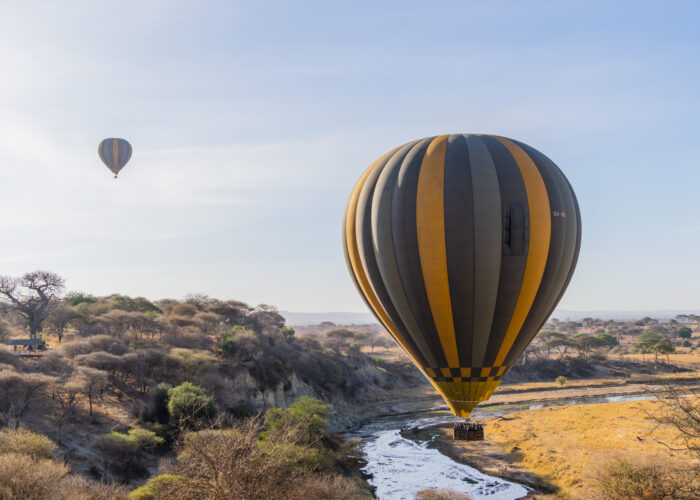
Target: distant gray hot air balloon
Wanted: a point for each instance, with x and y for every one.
(115, 153)
(462, 245)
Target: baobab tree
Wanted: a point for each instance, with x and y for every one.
(32, 295)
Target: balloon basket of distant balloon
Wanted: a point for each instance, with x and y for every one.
(468, 431)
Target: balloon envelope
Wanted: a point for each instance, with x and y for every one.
(115, 153)
(462, 245)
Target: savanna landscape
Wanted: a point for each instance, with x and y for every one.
(124, 397)
(356, 250)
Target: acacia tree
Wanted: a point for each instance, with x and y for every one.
(32, 295)
(58, 318)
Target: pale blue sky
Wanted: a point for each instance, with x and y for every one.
(250, 122)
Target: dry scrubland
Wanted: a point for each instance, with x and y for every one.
(129, 387)
(132, 391)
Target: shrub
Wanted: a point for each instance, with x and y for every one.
(684, 332)
(190, 406)
(561, 380)
(22, 476)
(161, 414)
(686, 343)
(306, 414)
(122, 453)
(234, 464)
(162, 486)
(624, 480)
(239, 412)
(607, 338)
(26, 442)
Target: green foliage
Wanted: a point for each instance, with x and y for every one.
(646, 340)
(190, 406)
(239, 412)
(607, 338)
(161, 413)
(26, 442)
(306, 413)
(687, 343)
(340, 334)
(75, 298)
(228, 344)
(156, 487)
(561, 380)
(684, 332)
(134, 441)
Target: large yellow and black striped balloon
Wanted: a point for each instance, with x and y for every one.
(462, 245)
(115, 153)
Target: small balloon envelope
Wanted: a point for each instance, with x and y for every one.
(115, 153)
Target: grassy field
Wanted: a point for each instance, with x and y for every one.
(569, 446)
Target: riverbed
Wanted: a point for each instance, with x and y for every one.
(401, 467)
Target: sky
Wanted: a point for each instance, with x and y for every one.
(251, 121)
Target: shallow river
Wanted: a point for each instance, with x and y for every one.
(401, 467)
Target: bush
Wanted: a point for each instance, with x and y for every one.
(26, 442)
(161, 414)
(306, 413)
(625, 480)
(190, 406)
(234, 464)
(22, 476)
(123, 453)
(686, 343)
(162, 486)
(684, 332)
(607, 338)
(561, 380)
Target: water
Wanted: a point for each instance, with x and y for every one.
(402, 467)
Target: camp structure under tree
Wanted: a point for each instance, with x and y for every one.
(30, 344)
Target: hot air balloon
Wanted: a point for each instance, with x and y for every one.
(462, 245)
(115, 153)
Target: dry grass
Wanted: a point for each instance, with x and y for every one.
(441, 494)
(568, 445)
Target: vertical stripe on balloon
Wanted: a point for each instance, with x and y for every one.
(430, 226)
(540, 229)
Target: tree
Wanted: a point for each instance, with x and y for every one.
(684, 332)
(92, 382)
(58, 318)
(17, 392)
(561, 345)
(306, 414)
(76, 298)
(645, 342)
(32, 295)
(190, 406)
(160, 403)
(607, 338)
(585, 343)
(123, 452)
(663, 346)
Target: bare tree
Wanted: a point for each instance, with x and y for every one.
(92, 382)
(58, 318)
(32, 295)
(17, 392)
